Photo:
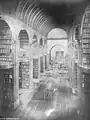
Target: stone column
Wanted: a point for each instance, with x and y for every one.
(16, 71)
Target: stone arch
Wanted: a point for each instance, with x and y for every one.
(5, 37)
(55, 28)
(61, 47)
(8, 20)
(4, 25)
(57, 32)
(23, 39)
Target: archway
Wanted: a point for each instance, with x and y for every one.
(5, 43)
(61, 47)
(6, 68)
(54, 38)
(57, 33)
(24, 63)
(24, 39)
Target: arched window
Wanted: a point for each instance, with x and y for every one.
(41, 41)
(24, 39)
